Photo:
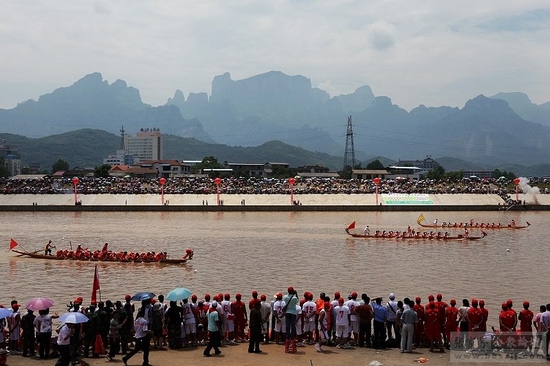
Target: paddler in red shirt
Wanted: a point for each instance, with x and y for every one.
(474, 316)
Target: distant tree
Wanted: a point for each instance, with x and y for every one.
(60, 164)
(25, 170)
(208, 162)
(454, 176)
(281, 173)
(375, 165)
(436, 173)
(3, 168)
(102, 171)
(497, 174)
(346, 172)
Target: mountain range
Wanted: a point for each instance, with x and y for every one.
(506, 128)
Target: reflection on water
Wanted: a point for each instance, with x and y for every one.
(243, 251)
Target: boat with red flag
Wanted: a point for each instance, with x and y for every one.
(85, 255)
(410, 234)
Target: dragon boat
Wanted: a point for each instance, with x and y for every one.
(472, 224)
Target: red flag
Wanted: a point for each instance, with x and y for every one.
(13, 244)
(95, 287)
(351, 226)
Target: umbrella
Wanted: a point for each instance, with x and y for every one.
(140, 296)
(73, 317)
(178, 293)
(39, 303)
(4, 313)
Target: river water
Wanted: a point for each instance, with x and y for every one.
(245, 251)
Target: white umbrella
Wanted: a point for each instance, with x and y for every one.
(73, 317)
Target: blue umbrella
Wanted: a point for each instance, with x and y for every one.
(140, 296)
(4, 313)
(178, 293)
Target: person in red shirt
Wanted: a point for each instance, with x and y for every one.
(526, 324)
(419, 337)
(485, 313)
(252, 302)
(510, 304)
(507, 319)
(451, 322)
(433, 332)
(475, 316)
(239, 310)
(441, 305)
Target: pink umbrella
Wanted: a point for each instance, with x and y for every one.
(39, 303)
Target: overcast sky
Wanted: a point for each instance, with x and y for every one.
(429, 52)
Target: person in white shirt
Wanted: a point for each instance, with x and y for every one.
(322, 325)
(278, 306)
(64, 344)
(391, 306)
(309, 309)
(265, 310)
(190, 323)
(143, 339)
(228, 324)
(342, 324)
(353, 304)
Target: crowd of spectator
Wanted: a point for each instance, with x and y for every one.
(233, 185)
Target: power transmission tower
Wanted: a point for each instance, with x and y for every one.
(349, 154)
(122, 138)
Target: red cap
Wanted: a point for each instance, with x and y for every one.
(220, 297)
(336, 295)
(238, 296)
(341, 301)
(263, 297)
(504, 306)
(474, 302)
(153, 301)
(194, 297)
(453, 302)
(509, 303)
(439, 297)
(290, 289)
(526, 304)
(254, 294)
(207, 297)
(482, 303)
(310, 296)
(431, 298)
(354, 295)
(279, 295)
(127, 297)
(418, 299)
(78, 300)
(227, 296)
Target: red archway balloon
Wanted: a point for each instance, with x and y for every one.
(376, 181)
(218, 181)
(516, 181)
(162, 181)
(291, 181)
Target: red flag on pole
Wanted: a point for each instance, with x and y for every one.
(351, 226)
(13, 244)
(95, 287)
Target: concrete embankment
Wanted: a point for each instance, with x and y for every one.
(275, 202)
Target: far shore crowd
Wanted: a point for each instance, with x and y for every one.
(232, 185)
(181, 319)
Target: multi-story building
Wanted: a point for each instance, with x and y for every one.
(11, 158)
(146, 145)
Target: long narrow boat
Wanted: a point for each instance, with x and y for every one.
(399, 236)
(56, 258)
(470, 225)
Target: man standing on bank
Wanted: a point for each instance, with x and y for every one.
(214, 330)
(143, 338)
(290, 301)
(255, 327)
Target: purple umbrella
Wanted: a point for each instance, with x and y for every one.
(39, 303)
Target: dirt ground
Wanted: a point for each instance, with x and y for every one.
(274, 355)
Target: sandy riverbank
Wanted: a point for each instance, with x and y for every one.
(273, 355)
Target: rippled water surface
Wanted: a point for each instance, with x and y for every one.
(241, 252)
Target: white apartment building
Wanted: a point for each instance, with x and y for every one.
(146, 145)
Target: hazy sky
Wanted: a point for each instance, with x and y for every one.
(428, 52)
